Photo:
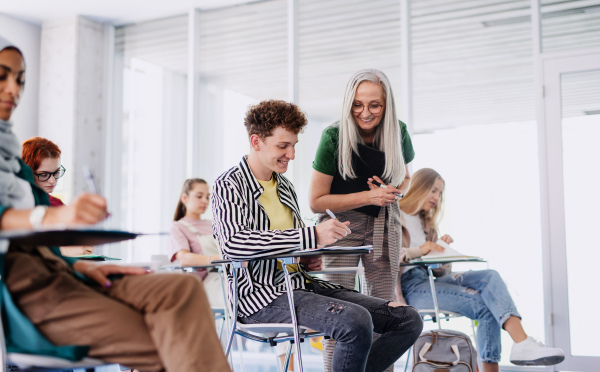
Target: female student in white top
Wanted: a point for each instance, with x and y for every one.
(479, 294)
(191, 240)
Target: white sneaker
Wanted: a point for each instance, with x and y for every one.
(532, 352)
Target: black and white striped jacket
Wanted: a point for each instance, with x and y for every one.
(241, 227)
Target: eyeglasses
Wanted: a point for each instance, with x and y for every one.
(373, 108)
(45, 176)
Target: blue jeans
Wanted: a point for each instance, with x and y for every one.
(350, 318)
(479, 294)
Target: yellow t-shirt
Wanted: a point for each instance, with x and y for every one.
(280, 216)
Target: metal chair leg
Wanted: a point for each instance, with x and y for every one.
(288, 357)
(290, 295)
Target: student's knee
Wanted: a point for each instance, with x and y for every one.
(176, 288)
(407, 320)
(358, 324)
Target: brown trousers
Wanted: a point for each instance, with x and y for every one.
(154, 322)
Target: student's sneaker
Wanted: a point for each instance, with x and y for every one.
(532, 352)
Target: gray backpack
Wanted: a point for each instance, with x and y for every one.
(444, 351)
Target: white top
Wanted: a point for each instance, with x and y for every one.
(414, 226)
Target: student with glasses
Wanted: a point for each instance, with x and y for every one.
(368, 143)
(43, 157)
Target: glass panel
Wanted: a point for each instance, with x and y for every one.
(472, 63)
(571, 24)
(580, 132)
(492, 208)
(150, 123)
(242, 60)
(337, 38)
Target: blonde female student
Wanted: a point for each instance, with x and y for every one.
(192, 243)
(476, 294)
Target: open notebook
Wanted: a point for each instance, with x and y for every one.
(449, 254)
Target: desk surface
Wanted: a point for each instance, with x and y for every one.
(442, 261)
(306, 253)
(66, 237)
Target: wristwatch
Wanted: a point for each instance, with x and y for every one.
(37, 215)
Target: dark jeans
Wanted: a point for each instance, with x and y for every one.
(350, 318)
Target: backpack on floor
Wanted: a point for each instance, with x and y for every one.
(444, 351)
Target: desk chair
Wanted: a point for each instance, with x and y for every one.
(273, 333)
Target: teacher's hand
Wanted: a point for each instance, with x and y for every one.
(380, 196)
(331, 231)
(99, 273)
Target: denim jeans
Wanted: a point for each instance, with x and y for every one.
(350, 318)
(479, 294)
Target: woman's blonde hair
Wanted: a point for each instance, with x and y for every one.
(422, 182)
(387, 133)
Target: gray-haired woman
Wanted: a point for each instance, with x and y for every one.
(368, 143)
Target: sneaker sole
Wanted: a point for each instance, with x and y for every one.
(546, 361)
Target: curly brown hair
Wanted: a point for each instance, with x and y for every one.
(264, 117)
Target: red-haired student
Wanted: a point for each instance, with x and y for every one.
(43, 157)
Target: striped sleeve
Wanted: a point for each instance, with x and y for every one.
(234, 226)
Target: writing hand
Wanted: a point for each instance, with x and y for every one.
(331, 231)
(86, 209)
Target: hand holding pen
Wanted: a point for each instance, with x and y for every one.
(381, 194)
(332, 230)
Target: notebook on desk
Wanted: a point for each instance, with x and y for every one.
(449, 254)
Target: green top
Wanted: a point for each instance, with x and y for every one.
(21, 335)
(326, 159)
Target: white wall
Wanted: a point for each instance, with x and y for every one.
(27, 37)
(72, 97)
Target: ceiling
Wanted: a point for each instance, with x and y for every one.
(117, 12)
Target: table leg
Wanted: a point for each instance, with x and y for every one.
(290, 295)
(434, 295)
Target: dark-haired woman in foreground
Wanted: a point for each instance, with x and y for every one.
(145, 321)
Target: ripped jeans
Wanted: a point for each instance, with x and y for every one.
(350, 318)
(476, 294)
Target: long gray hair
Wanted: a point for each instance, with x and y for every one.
(387, 133)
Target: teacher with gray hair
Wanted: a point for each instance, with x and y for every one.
(360, 171)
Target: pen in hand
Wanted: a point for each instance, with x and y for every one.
(90, 179)
(330, 213)
(385, 187)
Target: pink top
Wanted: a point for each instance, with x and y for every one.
(183, 238)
